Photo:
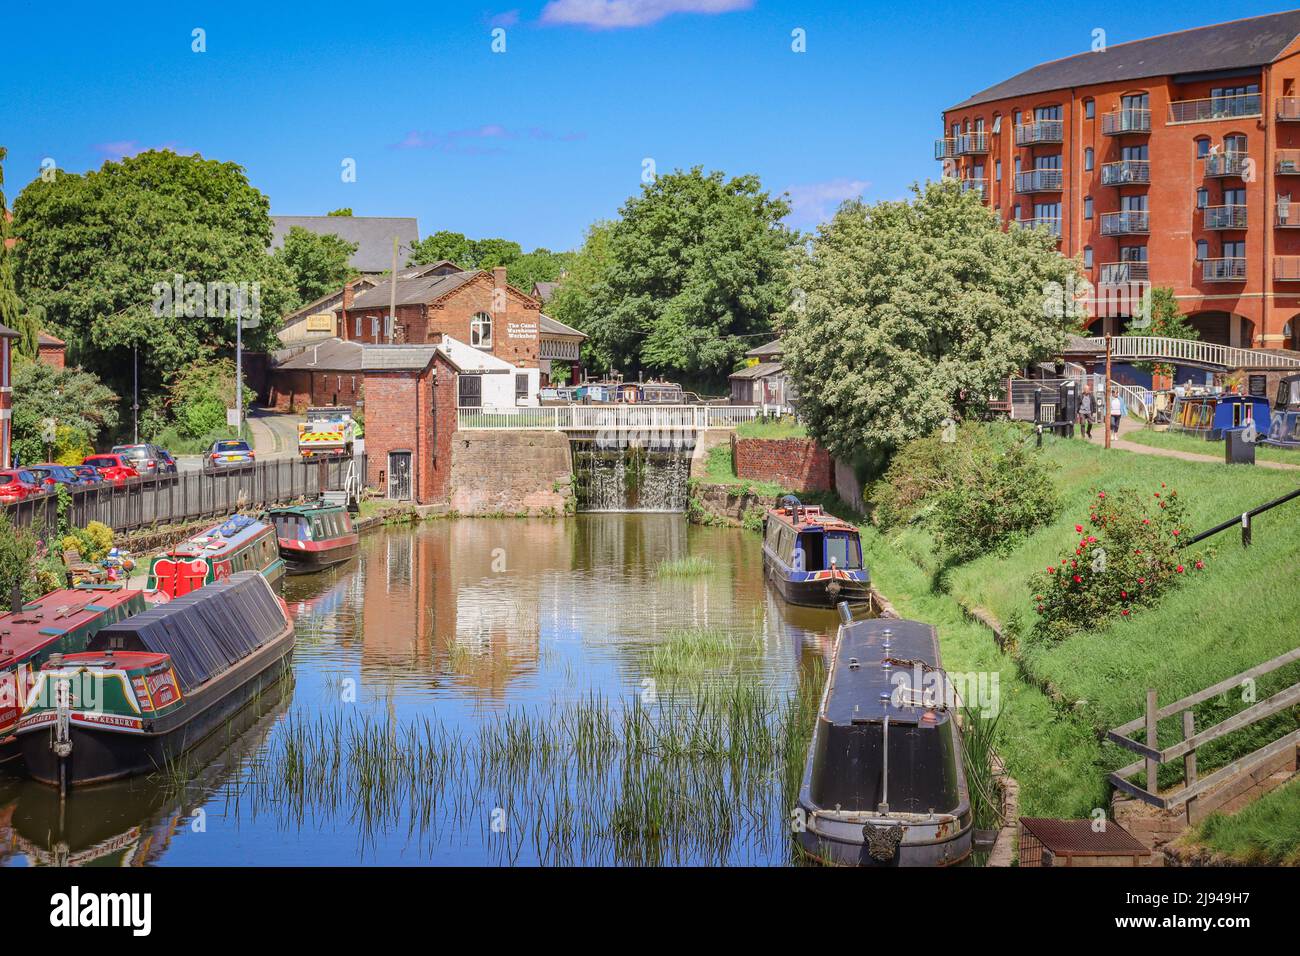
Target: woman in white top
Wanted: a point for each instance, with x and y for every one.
(1116, 410)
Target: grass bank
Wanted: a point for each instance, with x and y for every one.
(786, 427)
(1178, 441)
(1265, 833)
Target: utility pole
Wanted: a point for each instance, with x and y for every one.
(239, 364)
(135, 394)
(1106, 407)
(392, 296)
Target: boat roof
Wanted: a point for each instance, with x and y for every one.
(810, 518)
(313, 508)
(57, 613)
(230, 535)
(858, 676)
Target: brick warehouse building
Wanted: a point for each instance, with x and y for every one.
(1173, 160)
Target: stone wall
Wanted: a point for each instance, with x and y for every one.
(511, 472)
(799, 464)
(847, 485)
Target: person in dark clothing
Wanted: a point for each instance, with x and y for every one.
(1085, 414)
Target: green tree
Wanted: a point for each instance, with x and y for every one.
(451, 246)
(697, 267)
(24, 321)
(93, 247)
(575, 298)
(1166, 322)
(317, 263)
(345, 211)
(82, 406)
(197, 399)
(540, 265)
(908, 312)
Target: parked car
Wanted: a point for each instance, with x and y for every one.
(89, 474)
(50, 474)
(17, 483)
(115, 469)
(149, 460)
(228, 453)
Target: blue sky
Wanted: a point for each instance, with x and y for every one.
(534, 143)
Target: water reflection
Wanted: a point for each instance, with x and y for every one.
(458, 628)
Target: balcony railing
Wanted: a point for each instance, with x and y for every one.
(1286, 268)
(1218, 165)
(980, 186)
(1130, 223)
(1216, 108)
(1288, 109)
(1225, 217)
(944, 148)
(1122, 273)
(972, 144)
(1288, 162)
(1052, 225)
(1121, 121)
(1288, 214)
(1040, 131)
(1126, 172)
(1039, 181)
(1224, 270)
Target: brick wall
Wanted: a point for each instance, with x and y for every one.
(297, 389)
(414, 412)
(799, 464)
(510, 472)
(52, 355)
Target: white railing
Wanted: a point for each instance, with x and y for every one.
(598, 417)
(1155, 348)
(1135, 400)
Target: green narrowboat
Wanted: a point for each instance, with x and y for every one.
(314, 536)
(240, 543)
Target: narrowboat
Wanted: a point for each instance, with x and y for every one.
(240, 543)
(152, 687)
(61, 622)
(812, 557)
(1284, 426)
(314, 536)
(884, 783)
(1210, 416)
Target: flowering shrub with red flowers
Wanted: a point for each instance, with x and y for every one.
(1124, 556)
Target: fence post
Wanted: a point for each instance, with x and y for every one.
(1245, 529)
(1153, 782)
(1189, 761)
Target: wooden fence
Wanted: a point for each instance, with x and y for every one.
(1195, 792)
(189, 495)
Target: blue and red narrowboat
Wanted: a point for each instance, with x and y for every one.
(314, 536)
(812, 557)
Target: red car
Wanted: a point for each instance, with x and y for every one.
(17, 483)
(115, 469)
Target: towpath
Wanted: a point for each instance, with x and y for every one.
(1127, 426)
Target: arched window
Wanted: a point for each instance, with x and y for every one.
(1203, 147)
(480, 331)
(1089, 109)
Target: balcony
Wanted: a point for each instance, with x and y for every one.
(1134, 222)
(1288, 214)
(1040, 131)
(980, 186)
(1216, 108)
(1286, 268)
(1129, 172)
(971, 144)
(1223, 270)
(1288, 109)
(1052, 225)
(1221, 165)
(944, 148)
(1039, 181)
(1288, 162)
(1121, 121)
(1225, 217)
(1123, 273)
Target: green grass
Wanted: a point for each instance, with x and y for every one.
(1265, 832)
(784, 427)
(693, 652)
(1180, 441)
(178, 444)
(691, 566)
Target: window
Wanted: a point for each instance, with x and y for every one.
(997, 170)
(1087, 257)
(1042, 113)
(997, 123)
(1017, 165)
(358, 326)
(521, 387)
(1235, 145)
(1202, 147)
(1087, 207)
(1202, 198)
(374, 327)
(1088, 158)
(1089, 109)
(480, 331)
(470, 391)
(1202, 250)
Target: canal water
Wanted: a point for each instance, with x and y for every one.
(491, 692)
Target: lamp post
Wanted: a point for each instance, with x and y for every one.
(135, 394)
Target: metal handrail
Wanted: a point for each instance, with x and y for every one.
(598, 417)
(1123, 120)
(1126, 171)
(1128, 222)
(1216, 108)
(1157, 348)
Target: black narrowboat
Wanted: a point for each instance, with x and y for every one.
(152, 687)
(312, 537)
(884, 783)
(813, 558)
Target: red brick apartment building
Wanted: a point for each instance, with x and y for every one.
(1173, 160)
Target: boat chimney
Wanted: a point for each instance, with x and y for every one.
(846, 612)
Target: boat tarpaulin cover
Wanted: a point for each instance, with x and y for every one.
(205, 631)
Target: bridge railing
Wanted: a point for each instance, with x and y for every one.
(600, 417)
(1157, 348)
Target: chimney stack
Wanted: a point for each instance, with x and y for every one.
(499, 281)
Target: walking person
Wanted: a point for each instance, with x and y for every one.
(1085, 415)
(1116, 410)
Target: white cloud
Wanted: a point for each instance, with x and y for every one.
(812, 203)
(616, 14)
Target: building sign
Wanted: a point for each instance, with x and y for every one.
(320, 322)
(521, 330)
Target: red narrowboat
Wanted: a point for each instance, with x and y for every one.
(314, 536)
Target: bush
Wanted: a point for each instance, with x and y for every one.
(1125, 557)
(976, 492)
(92, 542)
